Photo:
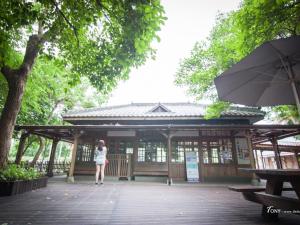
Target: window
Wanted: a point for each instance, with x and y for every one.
(126, 147)
(217, 151)
(120, 147)
(149, 151)
(85, 153)
(180, 147)
(205, 152)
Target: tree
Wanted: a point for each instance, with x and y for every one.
(98, 39)
(233, 37)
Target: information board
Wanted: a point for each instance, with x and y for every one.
(192, 171)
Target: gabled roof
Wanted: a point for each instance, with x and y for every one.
(158, 110)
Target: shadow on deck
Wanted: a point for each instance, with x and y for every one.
(127, 202)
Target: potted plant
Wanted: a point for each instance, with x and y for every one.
(15, 179)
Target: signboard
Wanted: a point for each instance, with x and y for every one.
(192, 171)
(242, 149)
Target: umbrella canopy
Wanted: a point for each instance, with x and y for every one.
(269, 76)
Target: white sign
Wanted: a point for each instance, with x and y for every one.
(192, 171)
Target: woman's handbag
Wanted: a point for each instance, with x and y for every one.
(106, 162)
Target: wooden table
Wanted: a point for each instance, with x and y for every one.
(272, 201)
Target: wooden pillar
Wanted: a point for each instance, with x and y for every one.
(262, 159)
(234, 153)
(200, 155)
(72, 166)
(256, 157)
(134, 155)
(251, 154)
(255, 179)
(276, 152)
(21, 147)
(52, 157)
(169, 159)
(296, 157)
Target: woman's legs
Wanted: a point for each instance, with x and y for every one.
(102, 172)
(97, 173)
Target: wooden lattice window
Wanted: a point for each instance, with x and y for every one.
(152, 151)
(180, 147)
(85, 153)
(217, 151)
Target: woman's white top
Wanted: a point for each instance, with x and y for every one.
(100, 156)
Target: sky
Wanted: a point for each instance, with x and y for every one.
(188, 21)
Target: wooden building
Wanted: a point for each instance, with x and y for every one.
(152, 139)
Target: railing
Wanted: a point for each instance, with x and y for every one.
(119, 165)
(59, 167)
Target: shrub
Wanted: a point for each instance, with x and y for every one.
(13, 172)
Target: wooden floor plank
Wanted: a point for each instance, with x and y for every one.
(132, 203)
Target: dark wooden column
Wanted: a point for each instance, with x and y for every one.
(200, 155)
(134, 155)
(276, 152)
(256, 156)
(234, 152)
(72, 166)
(296, 157)
(21, 147)
(255, 179)
(169, 159)
(262, 159)
(52, 157)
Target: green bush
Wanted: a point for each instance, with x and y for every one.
(13, 172)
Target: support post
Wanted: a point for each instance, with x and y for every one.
(296, 157)
(256, 157)
(234, 152)
(21, 147)
(72, 166)
(255, 179)
(170, 182)
(52, 157)
(276, 152)
(262, 159)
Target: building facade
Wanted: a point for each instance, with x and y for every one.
(153, 139)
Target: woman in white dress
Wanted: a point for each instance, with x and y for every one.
(100, 158)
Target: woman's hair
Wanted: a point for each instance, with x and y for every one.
(101, 143)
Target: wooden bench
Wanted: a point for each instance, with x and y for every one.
(249, 188)
(277, 202)
(150, 173)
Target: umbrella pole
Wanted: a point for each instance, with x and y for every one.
(296, 95)
(294, 87)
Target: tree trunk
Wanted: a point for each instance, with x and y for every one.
(16, 79)
(21, 147)
(9, 115)
(40, 150)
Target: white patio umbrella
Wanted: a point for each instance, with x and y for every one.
(268, 76)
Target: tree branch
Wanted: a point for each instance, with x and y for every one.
(101, 6)
(67, 21)
(32, 49)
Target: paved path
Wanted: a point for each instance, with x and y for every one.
(133, 203)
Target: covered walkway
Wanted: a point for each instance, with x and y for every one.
(139, 203)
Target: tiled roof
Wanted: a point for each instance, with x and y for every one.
(152, 110)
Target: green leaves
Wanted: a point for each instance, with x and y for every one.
(216, 109)
(13, 172)
(233, 37)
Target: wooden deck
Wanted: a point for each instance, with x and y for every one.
(133, 203)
